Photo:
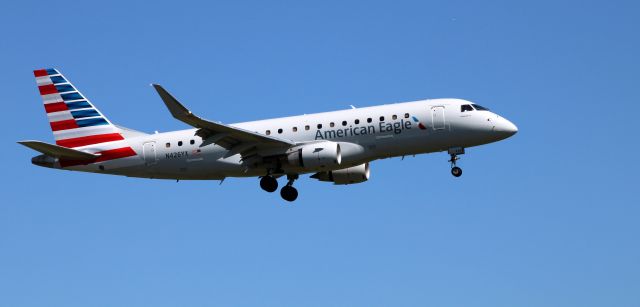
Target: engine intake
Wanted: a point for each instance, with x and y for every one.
(356, 174)
(316, 156)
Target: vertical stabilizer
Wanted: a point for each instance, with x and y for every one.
(74, 121)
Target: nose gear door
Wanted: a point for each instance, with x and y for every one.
(437, 118)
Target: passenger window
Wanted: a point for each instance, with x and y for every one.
(192, 142)
(406, 115)
(179, 143)
(268, 132)
(295, 129)
(344, 122)
(331, 124)
(466, 108)
(369, 120)
(357, 121)
(381, 118)
(394, 117)
(319, 126)
(306, 127)
(168, 145)
(279, 130)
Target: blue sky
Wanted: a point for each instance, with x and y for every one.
(546, 218)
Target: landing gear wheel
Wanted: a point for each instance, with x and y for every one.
(289, 193)
(456, 171)
(269, 184)
(454, 152)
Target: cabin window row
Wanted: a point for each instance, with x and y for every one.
(168, 144)
(344, 123)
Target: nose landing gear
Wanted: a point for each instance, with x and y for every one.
(454, 152)
(456, 171)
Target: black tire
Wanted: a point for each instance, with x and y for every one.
(269, 184)
(456, 171)
(289, 193)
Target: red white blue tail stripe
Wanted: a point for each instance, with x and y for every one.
(75, 122)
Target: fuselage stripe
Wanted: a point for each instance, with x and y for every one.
(40, 73)
(106, 155)
(64, 125)
(47, 89)
(90, 140)
(96, 121)
(55, 107)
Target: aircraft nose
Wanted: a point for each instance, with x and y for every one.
(505, 128)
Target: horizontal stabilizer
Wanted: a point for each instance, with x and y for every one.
(58, 151)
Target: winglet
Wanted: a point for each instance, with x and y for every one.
(177, 110)
(58, 151)
(209, 128)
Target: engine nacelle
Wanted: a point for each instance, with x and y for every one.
(356, 174)
(316, 156)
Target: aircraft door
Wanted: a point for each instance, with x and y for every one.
(149, 152)
(437, 118)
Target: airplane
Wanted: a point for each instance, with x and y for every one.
(335, 147)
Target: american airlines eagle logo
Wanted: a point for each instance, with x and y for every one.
(420, 125)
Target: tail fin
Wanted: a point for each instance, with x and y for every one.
(75, 122)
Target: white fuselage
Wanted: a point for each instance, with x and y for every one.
(364, 134)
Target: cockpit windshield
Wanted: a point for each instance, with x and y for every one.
(479, 107)
(466, 108)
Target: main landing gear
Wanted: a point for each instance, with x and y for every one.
(454, 152)
(288, 192)
(268, 183)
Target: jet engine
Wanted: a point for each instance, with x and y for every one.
(356, 174)
(316, 155)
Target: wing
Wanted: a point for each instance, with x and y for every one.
(237, 140)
